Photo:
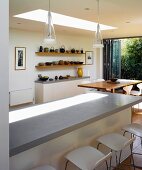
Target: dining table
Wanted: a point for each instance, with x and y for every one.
(108, 85)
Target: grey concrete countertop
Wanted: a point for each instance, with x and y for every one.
(36, 130)
(62, 80)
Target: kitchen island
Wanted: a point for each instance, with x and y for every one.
(52, 129)
(47, 91)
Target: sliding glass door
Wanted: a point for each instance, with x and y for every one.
(112, 59)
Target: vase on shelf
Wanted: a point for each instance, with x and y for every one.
(40, 49)
(80, 72)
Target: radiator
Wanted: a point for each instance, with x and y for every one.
(22, 96)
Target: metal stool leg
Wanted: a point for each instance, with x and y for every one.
(133, 163)
(98, 145)
(141, 141)
(124, 133)
(116, 159)
(119, 161)
(107, 165)
(66, 165)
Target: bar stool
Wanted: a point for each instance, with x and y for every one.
(44, 167)
(134, 129)
(116, 143)
(87, 158)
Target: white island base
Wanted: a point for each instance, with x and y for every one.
(53, 151)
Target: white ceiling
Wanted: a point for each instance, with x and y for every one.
(115, 13)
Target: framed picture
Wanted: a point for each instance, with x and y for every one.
(20, 58)
(88, 57)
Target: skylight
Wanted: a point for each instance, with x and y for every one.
(63, 20)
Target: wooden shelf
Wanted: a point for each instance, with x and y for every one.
(57, 54)
(58, 66)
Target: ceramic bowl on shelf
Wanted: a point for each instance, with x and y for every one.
(48, 63)
(80, 62)
(41, 64)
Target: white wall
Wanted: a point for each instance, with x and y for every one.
(23, 79)
(4, 125)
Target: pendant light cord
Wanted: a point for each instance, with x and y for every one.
(98, 40)
(98, 11)
(49, 5)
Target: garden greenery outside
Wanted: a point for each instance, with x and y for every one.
(131, 58)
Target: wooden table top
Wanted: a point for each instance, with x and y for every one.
(110, 85)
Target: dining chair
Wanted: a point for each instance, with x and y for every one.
(128, 89)
(139, 92)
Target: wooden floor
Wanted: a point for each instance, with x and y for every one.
(137, 118)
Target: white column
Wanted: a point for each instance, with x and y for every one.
(4, 52)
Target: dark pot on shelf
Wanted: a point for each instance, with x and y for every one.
(61, 62)
(60, 77)
(56, 50)
(52, 49)
(48, 63)
(81, 50)
(62, 49)
(73, 50)
(40, 49)
(56, 77)
(46, 49)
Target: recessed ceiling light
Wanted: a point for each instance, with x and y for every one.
(63, 20)
(87, 9)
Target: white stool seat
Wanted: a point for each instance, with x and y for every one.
(134, 128)
(115, 141)
(44, 167)
(87, 158)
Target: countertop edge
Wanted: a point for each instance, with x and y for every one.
(63, 80)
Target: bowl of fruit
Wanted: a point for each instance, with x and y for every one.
(113, 79)
(43, 78)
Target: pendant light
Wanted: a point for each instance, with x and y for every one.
(98, 43)
(49, 32)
